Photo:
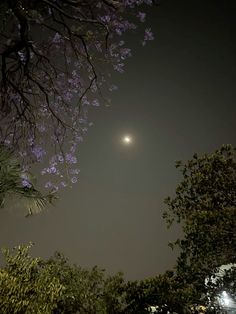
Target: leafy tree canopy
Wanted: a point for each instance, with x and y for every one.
(26, 286)
(32, 285)
(87, 291)
(167, 293)
(205, 205)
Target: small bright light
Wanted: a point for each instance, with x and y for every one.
(225, 299)
(127, 139)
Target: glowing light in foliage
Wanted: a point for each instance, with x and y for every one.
(225, 299)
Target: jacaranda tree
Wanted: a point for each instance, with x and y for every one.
(56, 57)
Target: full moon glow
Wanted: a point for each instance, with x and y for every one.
(127, 139)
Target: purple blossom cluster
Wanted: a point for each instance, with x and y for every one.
(25, 180)
(148, 35)
(68, 73)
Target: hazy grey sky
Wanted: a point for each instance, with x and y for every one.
(176, 97)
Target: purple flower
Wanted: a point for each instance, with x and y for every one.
(78, 138)
(41, 128)
(57, 39)
(95, 103)
(67, 96)
(119, 67)
(85, 101)
(141, 16)
(52, 170)
(26, 183)
(148, 35)
(22, 56)
(125, 52)
(71, 159)
(105, 18)
(48, 185)
(74, 180)
(74, 171)
(38, 152)
(31, 140)
(60, 158)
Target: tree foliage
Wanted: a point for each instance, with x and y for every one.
(221, 289)
(32, 285)
(87, 291)
(205, 205)
(167, 293)
(26, 286)
(14, 182)
(55, 58)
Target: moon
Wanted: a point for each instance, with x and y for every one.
(127, 139)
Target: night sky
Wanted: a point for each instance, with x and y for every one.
(176, 97)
